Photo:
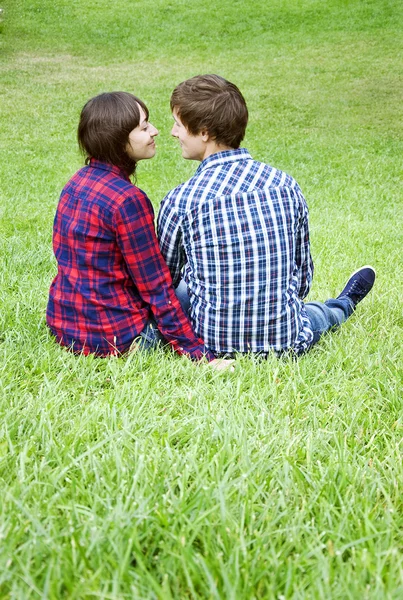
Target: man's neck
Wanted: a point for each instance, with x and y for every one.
(212, 148)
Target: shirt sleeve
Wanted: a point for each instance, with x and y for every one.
(303, 256)
(135, 234)
(170, 238)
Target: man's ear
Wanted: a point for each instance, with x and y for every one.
(205, 135)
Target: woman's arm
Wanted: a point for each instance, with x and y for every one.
(135, 234)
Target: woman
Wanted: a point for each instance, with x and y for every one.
(112, 284)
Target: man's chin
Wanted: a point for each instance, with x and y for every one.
(188, 156)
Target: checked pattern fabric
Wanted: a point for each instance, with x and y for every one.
(239, 230)
(111, 276)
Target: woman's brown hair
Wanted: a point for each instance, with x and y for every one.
(104, 127)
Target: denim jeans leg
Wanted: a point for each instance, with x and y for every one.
(327, 316)
(182, 294)
(150, 337)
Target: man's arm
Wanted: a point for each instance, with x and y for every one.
(170, 238)
(303, 257)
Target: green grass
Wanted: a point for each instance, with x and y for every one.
(152, 478)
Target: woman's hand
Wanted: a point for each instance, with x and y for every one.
(223, 364)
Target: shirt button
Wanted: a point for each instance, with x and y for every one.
(169, 302)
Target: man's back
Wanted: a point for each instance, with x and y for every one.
(240, 229)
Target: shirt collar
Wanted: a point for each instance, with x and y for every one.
(219, 158)
(99, 164)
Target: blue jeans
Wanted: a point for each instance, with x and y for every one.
(328, 315)
(150, 337)
(182, 294)
(324, 316)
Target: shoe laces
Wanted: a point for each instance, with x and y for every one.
(356, 287)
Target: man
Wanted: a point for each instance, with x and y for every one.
(239, 230)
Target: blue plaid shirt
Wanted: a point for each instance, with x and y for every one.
(240, 230)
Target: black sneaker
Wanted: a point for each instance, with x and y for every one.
(359, 284)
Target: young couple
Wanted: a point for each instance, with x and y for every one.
(232, 264)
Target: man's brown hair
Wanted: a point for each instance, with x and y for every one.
(211, 103)
(104, 127)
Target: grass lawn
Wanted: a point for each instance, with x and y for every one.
(150, 477)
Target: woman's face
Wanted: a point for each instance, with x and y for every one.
(141, 143)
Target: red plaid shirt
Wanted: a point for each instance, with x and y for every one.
(111, 276)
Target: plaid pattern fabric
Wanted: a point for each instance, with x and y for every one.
(240, 230)
(111, 276)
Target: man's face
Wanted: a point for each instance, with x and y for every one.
(193, 146)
